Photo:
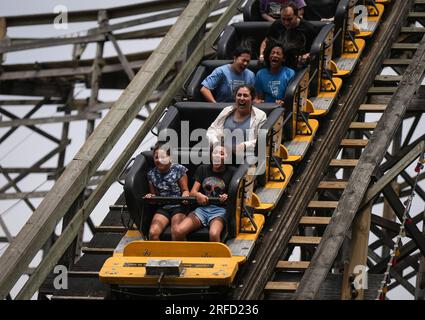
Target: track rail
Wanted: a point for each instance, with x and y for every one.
(258, 275)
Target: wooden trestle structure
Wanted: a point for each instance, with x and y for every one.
(329, 212)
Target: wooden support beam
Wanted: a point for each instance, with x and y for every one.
(121, 56)
(106, 134)
(37, 164)
(358, 252)
(91, 15)
(49, 120)
(23, 195)
(370, 159)
(398, 208)
(393, 172)
(29, 114)
(15, 186)
(33, 128)
(3, 31)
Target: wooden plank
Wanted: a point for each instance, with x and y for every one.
(304, 241)
(370, 159)
(388, 78)
(343, 163)
(314, 220)
(373, 107)
(397, 62)
(322, 204)
(281, 286)
(354, 143)
(292, 265)
(363, 125)
(416, 14)
(49, 120)
(357, 253)
(3, 31)
(127, 106)
(382, 90)
(333, 185)
(23, 195)
(413, 30)
(405, 46)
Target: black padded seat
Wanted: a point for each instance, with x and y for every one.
(249, 34)
(136, 185)
(205, 69)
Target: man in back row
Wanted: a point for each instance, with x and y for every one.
(296, 34)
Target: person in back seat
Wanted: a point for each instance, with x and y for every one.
(296, 34)
(166, 179)
(270, 9)
(220, 85)
(271, 82)
(211, 180)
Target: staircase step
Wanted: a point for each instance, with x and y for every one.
(363, 125)
(373, 107)
(315, 204)
(333, 185)
(292, 265)
(354, 143)
(344, 163)
(315, 221)
(281, 286)
(305, 241)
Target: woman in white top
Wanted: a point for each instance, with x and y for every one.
(241, 120)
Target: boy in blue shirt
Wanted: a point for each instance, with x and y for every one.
(271, 82)
(220, 85)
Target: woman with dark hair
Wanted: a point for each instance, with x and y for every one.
(241, 119)
(211, 180)
(271, 82)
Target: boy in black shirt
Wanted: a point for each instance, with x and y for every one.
(211, 180)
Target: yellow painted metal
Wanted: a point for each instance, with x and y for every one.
(259, 220)
(176, 249)
(349, 47)
(373, 17)
(275, 173)
(196, 271)
(314, 124)
(327, 85)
